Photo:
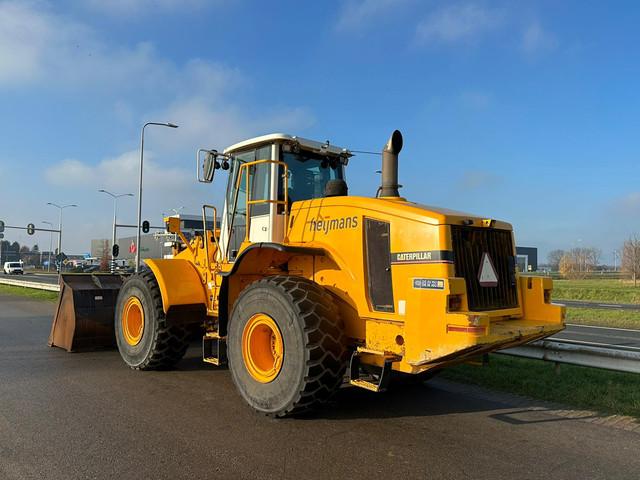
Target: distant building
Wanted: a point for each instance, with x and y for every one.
(527, 259)
(152, 247)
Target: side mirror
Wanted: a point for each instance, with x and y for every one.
(207, 169)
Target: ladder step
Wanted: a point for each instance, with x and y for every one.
(214, 349)
(372, 387)
(213, 360)
(369, 381)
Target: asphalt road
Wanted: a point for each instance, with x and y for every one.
(600, 305)
(50, 278)
(86, 415)
(604, 335)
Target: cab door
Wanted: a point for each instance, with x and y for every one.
(234, 222)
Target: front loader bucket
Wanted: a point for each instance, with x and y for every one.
(85, 313)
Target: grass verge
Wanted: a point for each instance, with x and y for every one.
(28, 292)
(604, 318)
(582, 387)
(613, 291)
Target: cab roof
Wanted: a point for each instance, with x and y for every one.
(304, 143)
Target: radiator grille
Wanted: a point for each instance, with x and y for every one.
(469, 246)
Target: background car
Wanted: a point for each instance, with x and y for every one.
(13, 268)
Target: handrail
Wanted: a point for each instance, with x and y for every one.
(250, 202)
(204, 232)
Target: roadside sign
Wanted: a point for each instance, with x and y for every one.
(61, 257)
(31, 229)
(132, 247)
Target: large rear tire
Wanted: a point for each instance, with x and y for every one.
(145, 340)
(287, 349)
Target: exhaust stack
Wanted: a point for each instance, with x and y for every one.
(389, 186)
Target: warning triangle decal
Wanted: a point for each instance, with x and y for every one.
(487, 276)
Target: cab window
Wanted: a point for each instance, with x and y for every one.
(309, 174)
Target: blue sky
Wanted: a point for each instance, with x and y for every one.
(523, 111)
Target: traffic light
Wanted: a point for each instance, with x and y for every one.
(31, 229)
(1, 226)
(115, 251)
(145, 226)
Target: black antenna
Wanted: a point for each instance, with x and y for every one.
(365, 151)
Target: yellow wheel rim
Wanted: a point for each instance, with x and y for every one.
(262, 348)
(133, 321)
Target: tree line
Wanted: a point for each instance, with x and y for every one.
(14, 252)
(578, 262)
(575, 263)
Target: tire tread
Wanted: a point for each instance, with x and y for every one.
(170, 342)
(325, 342)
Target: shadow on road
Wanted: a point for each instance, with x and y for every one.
(512, 417)
(418, 400)
(426, 399)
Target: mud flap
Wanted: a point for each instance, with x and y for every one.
(85, 313)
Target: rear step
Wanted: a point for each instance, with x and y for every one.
(377, 381)
(214, 349)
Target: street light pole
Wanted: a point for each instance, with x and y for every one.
(60, 207)
(115, 197)
(50, 244)
(170, 125)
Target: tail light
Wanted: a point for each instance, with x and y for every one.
(454, 303)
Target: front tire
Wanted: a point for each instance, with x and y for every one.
(145, 340)
(287, 349)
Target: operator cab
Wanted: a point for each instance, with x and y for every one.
(314, 170)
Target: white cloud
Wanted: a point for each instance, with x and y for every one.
(118, 173)
(627, 206)
(40, 47)
(460, 22)
(204, 123)
(37, 46)
(536, 39)
(357, 14)
(26, 33)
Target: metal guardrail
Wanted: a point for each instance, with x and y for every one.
(27, 284)
(586, 354)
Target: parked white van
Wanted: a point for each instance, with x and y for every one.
(13, 268)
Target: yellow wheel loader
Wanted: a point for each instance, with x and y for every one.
(300, 285)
